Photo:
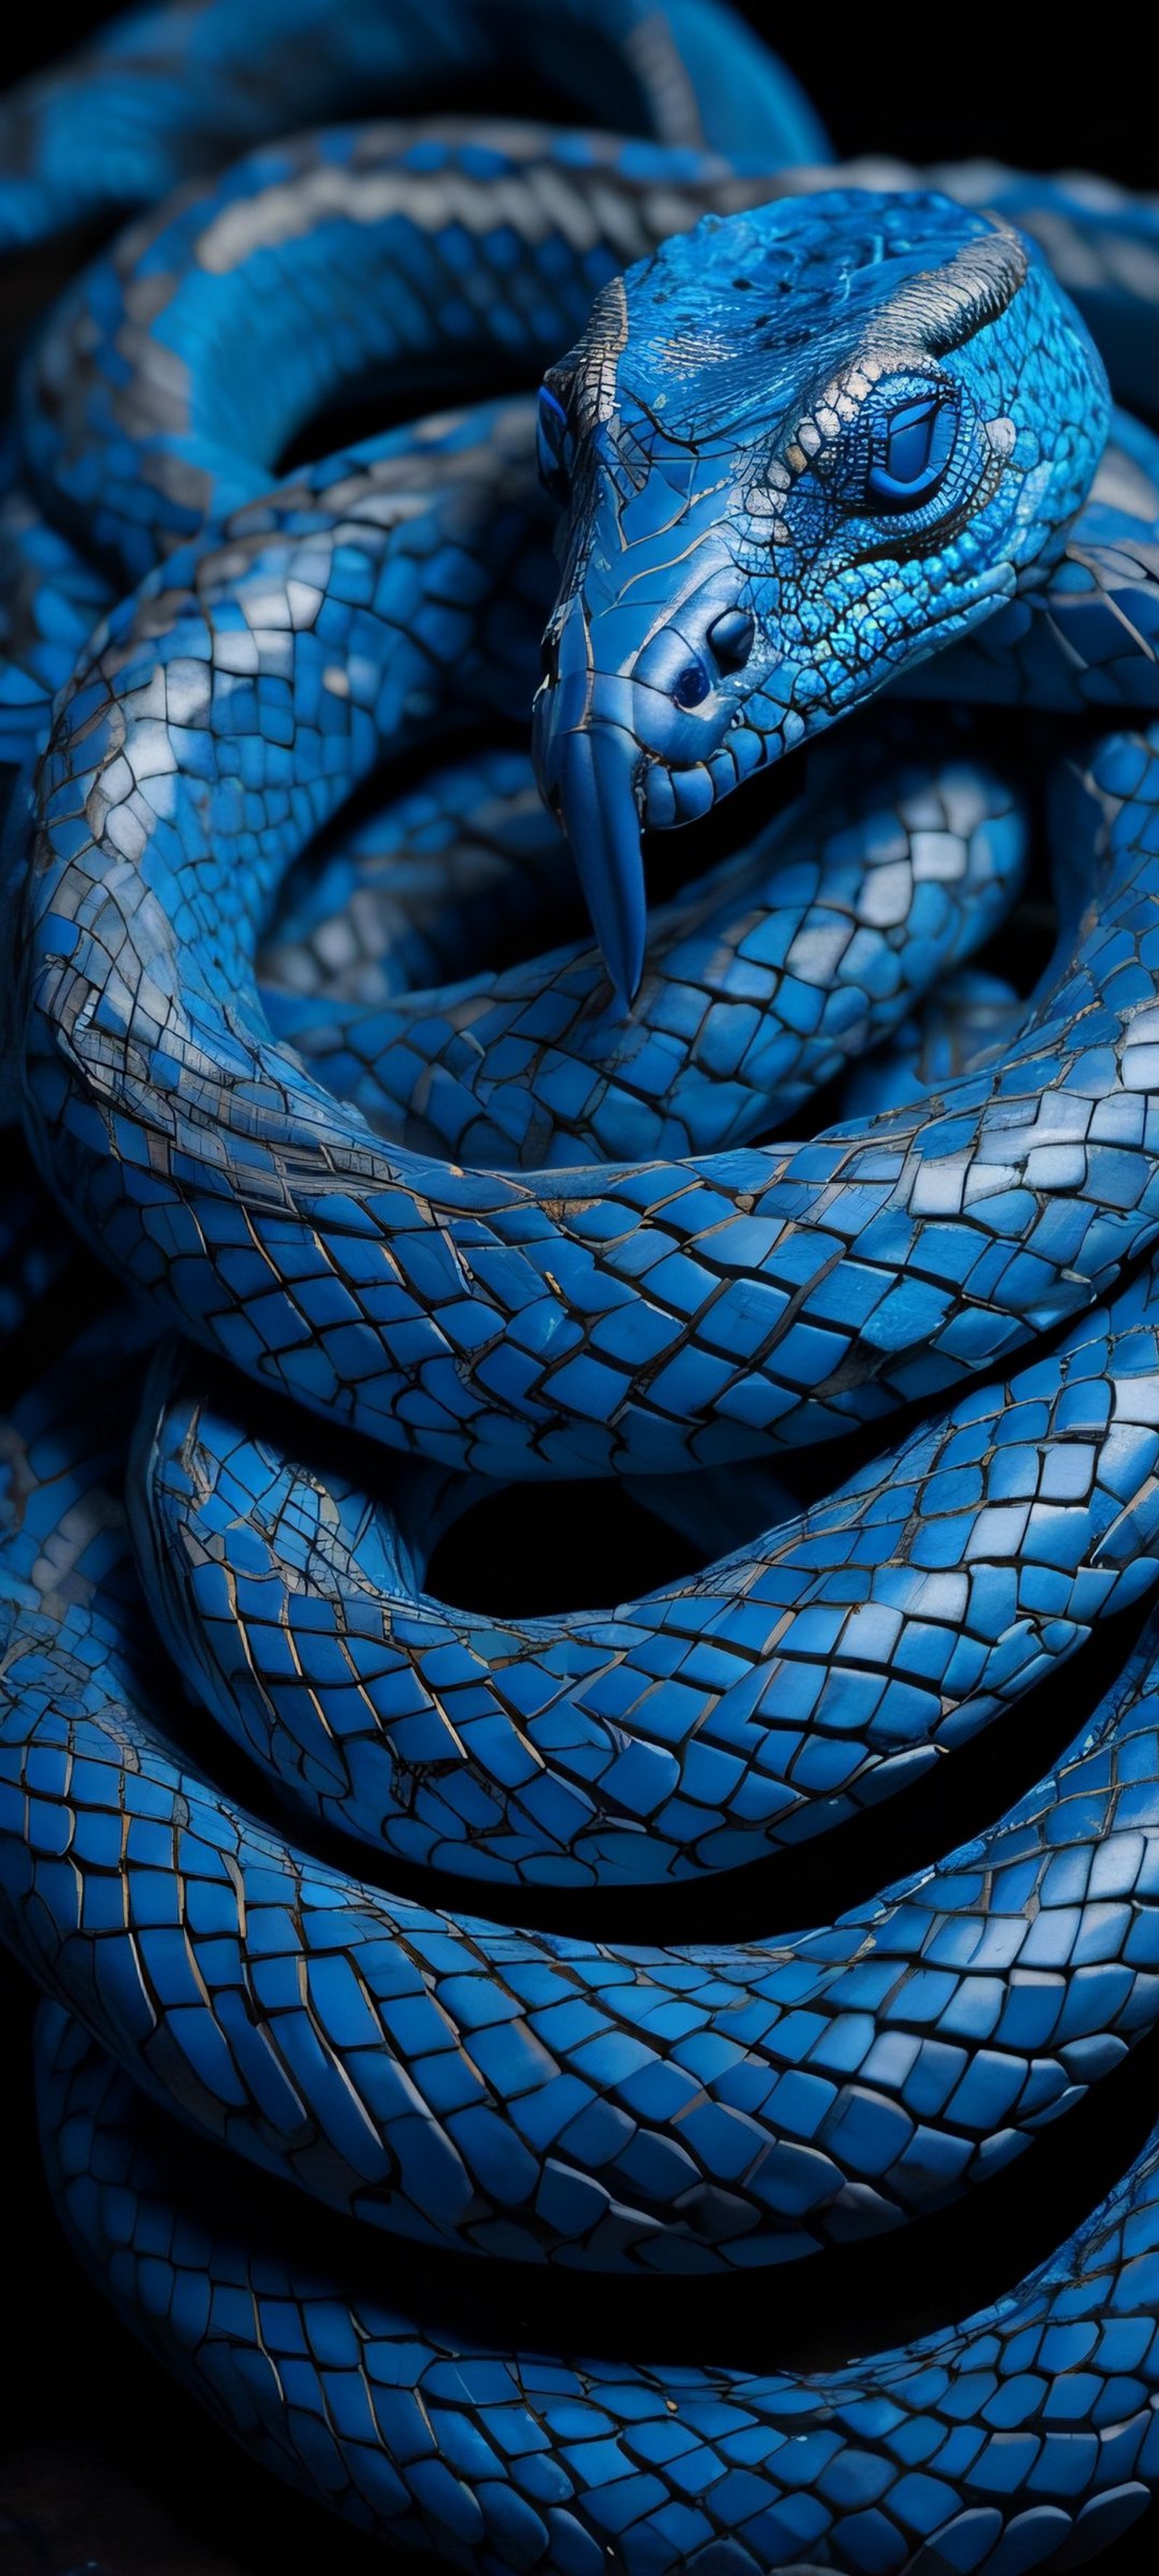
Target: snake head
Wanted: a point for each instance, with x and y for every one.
(798, 450)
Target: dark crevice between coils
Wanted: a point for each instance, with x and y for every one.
(79, 1287)
(613, 1549)
(815, 2315)
(106, 2399)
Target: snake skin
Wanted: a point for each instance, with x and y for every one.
(1025, 2436)
(762, 983)
(812, 1671)
(816, 435)
(164, 94)
(537, 2097)
(684, 1313)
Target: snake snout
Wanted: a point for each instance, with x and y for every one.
(589, 774)
(610, 713)
(688, 660)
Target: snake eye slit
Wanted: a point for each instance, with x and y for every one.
(553, 446)
(911, 452)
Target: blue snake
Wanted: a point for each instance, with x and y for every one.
(816, 436)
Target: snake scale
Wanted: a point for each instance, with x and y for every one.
(444, 1119)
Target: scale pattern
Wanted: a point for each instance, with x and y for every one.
(762, 982)
(686, 1311)
(166, 93)
(469, 250)
(523, 2095)
(845, 435)
(818, 1667)
(1026, 2435)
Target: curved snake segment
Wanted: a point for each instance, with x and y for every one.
(163, 95)
(525, 1251)
(773, 1294)
(459, 249)
(406, 897)
(847, 435)
(941, 2451)
(761, 983)
(134, 448)
(972, 1014)
(820, 1665)
(530, 2095)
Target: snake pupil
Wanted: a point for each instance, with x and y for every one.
(912, 453)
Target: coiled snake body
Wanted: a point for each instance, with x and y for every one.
(845, 435)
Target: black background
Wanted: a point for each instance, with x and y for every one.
(108, 2469)
(1024, 86)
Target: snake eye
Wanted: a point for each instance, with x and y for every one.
(911, 451)
(553, 446)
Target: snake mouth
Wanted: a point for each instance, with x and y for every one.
(615, 755)
(595, 791)
(606, 791)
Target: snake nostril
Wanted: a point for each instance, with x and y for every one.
(732, 637)
(692, 685)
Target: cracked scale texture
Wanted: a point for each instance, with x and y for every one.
(519, 2094)
(1028, 2432)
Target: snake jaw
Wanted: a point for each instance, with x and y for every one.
(642, 683)
(590, 776)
